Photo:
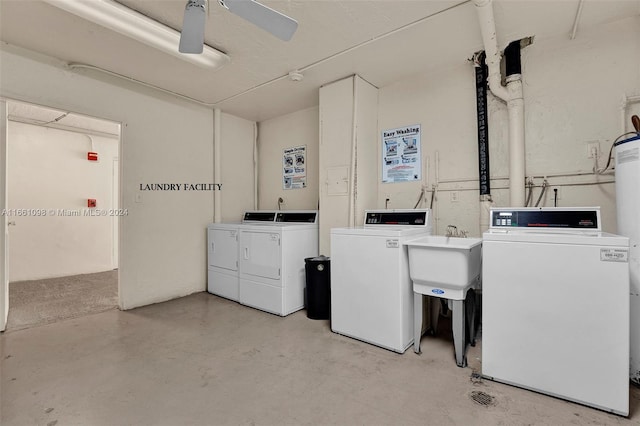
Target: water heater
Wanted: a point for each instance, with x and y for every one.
(628, 215)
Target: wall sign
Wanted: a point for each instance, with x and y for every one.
(294, 168)
(401, 158)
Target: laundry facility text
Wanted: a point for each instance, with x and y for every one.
(180, 187)
(86, 212)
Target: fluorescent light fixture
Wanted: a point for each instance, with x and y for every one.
(130, 23)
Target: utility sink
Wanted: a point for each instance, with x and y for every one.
(443, 266)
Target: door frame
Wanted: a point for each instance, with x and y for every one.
(4, 220)
(4, 231)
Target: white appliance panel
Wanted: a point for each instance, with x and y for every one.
(261, 295)
(373, 320)
(223, 248)
(371, 292)
(628, 215)
(260, 254)
(555, 320)
(272, 268)
(223, 284)
(222, 277)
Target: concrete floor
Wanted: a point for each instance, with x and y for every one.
(203, 360)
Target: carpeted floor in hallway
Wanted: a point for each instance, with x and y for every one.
(39, 302)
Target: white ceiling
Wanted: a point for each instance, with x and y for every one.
(383, 41)
(64, 120)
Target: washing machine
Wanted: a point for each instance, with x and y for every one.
(371, 291)
(555, 306)
(271, 259)
(223, 277)
(628, 214)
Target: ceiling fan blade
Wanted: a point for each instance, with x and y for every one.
(192, 35)
(272, 21)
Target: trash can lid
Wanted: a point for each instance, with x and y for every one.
(320, 258)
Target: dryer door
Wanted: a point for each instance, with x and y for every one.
(223, 248)
(260, 254)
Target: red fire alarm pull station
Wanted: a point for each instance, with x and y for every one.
(91, 202)
(92, 156)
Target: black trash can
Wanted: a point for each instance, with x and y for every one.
(318, 287)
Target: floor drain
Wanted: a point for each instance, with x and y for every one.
(482, 398)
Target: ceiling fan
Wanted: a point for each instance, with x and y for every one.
(274, 22)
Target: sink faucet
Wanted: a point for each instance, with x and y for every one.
(452, 231)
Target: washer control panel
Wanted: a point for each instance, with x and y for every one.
(408, 217)
(546, 218)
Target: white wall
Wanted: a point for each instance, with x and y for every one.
(336, 124)
(236, 152)
(295, 129)
(49, 172)
(347, 154)
(162, 239)
(572, 93)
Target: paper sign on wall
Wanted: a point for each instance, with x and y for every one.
(294, 168)
(401, 158)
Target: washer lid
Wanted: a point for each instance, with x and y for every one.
(545, 237)
(383, 231)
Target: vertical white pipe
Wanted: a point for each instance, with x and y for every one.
(484, 9)
(425, 178)
(354, 153)
(576, 20)
(217, 161)
(623, 115)
(485, 204)
(4, 220)
(255, 166)
(434, 210)
(515, 107)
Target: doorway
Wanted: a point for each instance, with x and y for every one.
(62, 208)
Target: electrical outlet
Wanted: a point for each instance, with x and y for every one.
(593, 149)
(454, 196)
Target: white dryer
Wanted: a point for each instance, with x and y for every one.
(371, 291)
(222, 279)
(555, 306)
(223, 264)
(272, 268)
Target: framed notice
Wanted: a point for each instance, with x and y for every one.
(294, 167)
(401, 157)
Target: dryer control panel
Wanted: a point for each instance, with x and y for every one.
(281, 216)
(297, 217)
(259, 216)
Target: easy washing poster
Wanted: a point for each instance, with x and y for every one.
(401, 158)
(294, 168)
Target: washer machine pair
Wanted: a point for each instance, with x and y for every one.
(260, 262)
